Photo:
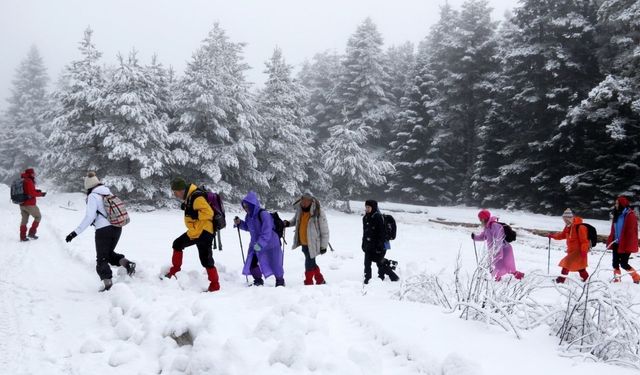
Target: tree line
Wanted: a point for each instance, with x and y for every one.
(540, 111)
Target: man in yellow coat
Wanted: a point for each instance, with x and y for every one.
(198, 218)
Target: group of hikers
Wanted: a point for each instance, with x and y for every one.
(622, 241)
(265, 255)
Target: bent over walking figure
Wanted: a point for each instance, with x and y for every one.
(198, 218)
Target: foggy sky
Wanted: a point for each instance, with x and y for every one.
(174, 29)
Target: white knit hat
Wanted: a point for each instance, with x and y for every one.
(91, 181)
(567, 213)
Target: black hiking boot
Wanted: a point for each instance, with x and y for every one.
(131, 268)
(33, 236)
(107, 285)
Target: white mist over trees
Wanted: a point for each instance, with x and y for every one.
(539, 112)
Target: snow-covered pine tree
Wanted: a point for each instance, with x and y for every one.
(133, 134)
(495, 135)
(351, 155)
(400, 62)
(24, 132)
(601, 137)
(320, 78)
(363, 92)
(288, 150)
(549, 67)
(218, 128)
(465, 100)
(436, 171)
(73, 147)
(412, 151)
(351, 166)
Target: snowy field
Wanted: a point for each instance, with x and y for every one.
(53, 320)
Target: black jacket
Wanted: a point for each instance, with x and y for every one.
(373, 233)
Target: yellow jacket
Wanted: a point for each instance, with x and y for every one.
(198, 215)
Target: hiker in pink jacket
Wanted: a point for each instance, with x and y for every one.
(499, 251)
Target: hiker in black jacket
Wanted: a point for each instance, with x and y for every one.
(373, 238)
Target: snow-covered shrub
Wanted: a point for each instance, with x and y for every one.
(598, 322)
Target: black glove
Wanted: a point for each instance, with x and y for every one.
(71, 236)
(286, 223)
(323, 250)
(44, 193)
(183, 206)
(473, 236)
(236, 221)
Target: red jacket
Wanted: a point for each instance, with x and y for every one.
(30, 189)
(629, 237)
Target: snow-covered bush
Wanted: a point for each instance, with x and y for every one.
(594, 320)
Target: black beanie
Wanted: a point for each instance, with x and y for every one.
(373, 204)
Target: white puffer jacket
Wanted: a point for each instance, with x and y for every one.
(94, 205)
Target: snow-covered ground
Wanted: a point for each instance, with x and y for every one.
(53, 320)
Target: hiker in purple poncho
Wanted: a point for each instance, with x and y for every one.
(499, 251)
(264, 256)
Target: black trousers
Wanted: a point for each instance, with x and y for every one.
(383, 267)
(106, 242)
(619, 260)
(203, 243)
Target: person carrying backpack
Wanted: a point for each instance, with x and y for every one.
(106, 235)
(312, 233)
(264, 257)
(29, 206)
(578, 245)
(500, 252)
(373, 239)
(623, 239)
(198, 218)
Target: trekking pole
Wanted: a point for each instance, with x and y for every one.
(476, 252)
(549, 256)
(330, 247)
(220, 241)
(242, 252)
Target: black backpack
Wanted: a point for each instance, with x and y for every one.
(591, 233)
(278, 224)
(389, 227)
(509, 233)
(17, 191)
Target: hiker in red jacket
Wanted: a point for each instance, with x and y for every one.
(29, 207)
(623, 239)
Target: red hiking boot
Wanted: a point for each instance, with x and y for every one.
(214, 285)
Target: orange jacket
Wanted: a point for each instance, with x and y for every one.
(577, 245)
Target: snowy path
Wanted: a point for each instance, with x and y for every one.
(54, 321)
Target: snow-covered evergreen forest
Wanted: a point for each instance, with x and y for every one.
(539, 111)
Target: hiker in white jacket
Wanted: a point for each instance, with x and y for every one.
(106, 236)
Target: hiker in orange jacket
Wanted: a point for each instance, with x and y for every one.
(578, 244)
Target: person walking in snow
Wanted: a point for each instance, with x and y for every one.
(264, 257)
(198, 218)
(106, 235)
(499, 251)
(373, 238)
(578, 244)
(29, 207)
(623, 239)
(312, 233)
